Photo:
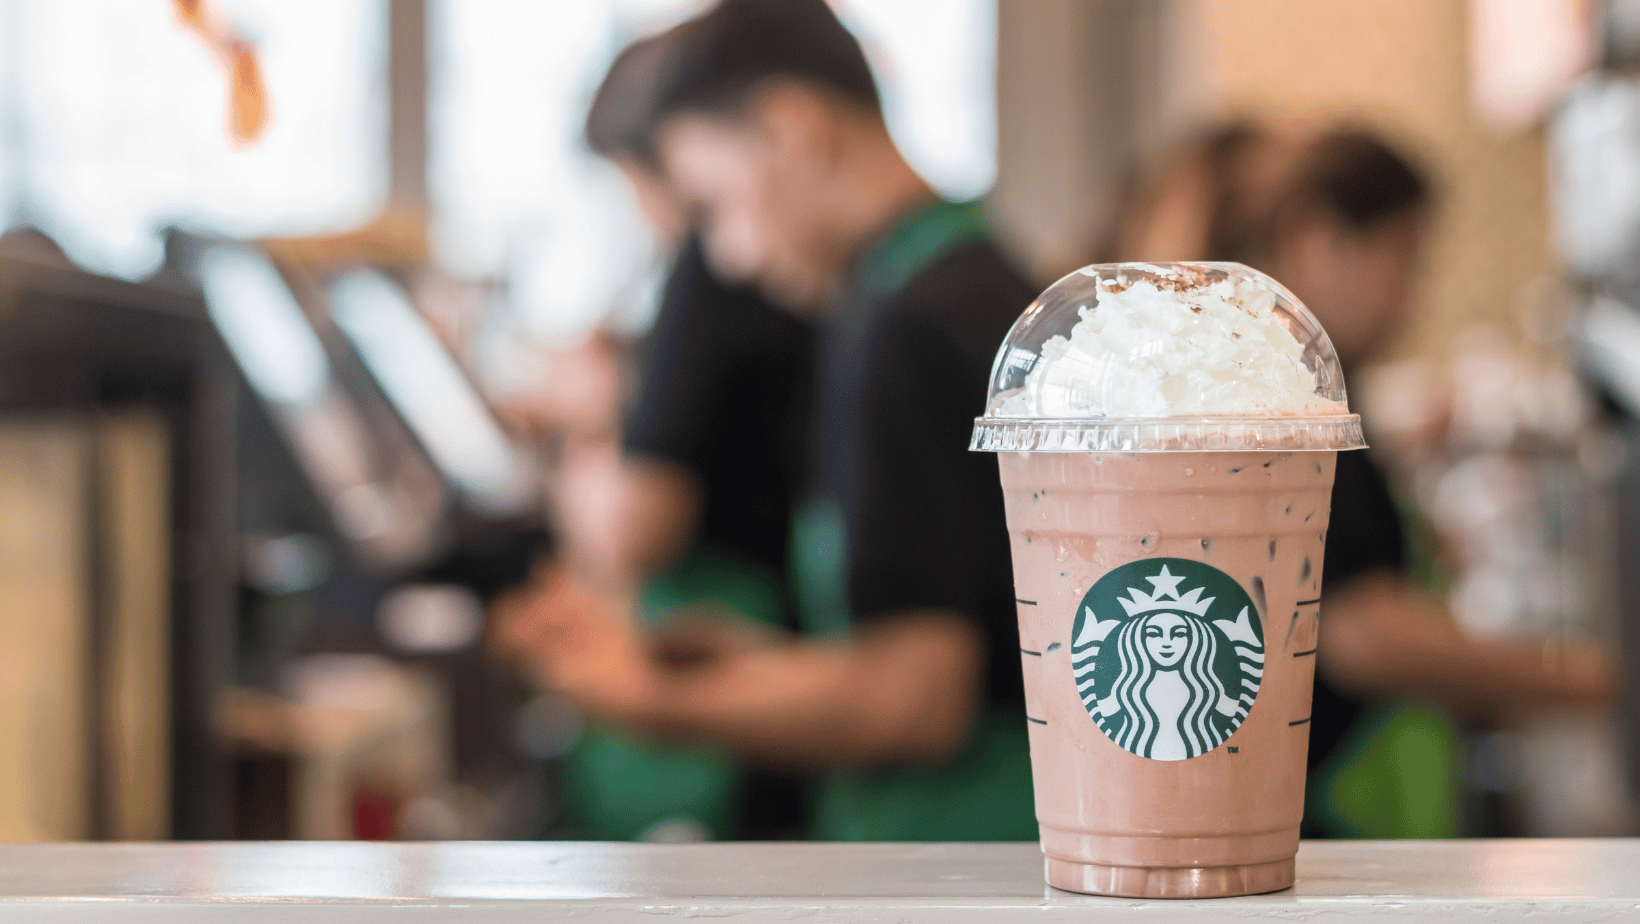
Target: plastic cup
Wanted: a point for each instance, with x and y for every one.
(1167, 570)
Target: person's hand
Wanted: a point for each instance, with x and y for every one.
(704, 635)
(1585, 671)
(1575, 676)
(583, 644)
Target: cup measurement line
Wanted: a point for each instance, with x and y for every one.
(1299, 722)
(1036, 720)
(1300, 654)
(1309, 602)
(1030, 652)
(1025, 602)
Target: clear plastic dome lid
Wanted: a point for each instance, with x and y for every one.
(1166, 357)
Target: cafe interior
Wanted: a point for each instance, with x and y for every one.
(312, 313)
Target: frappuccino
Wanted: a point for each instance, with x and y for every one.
(1166, 438)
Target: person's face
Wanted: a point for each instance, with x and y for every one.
(1358, 284)
(1166, 637)
(656, 200)
(752, 188)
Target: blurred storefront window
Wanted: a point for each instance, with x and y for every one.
(112, 120)
(112, 127)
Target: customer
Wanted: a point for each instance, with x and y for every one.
(1347, 235)
(906, 687)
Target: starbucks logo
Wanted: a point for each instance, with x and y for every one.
(1168, 656)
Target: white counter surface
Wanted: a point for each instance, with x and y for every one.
(1574, 880)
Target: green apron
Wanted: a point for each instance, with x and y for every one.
(621, 788)
(1393, 776)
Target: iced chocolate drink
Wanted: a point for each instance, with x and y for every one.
(1166, 436)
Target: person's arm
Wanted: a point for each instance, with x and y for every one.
(667, 501)
(903, 689)
(1381, 638)
(924, 574)
(907, 684)
(625, 518)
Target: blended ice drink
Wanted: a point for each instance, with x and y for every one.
(1167, 435)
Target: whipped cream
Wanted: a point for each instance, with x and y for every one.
(1180, 347)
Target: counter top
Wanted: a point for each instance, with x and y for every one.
(1356, 881)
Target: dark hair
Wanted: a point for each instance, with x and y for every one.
(1355, 178)
(619, 121)
(716, 61)
(1218, 156)
(1225, 152)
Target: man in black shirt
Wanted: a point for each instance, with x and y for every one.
(722, 391)
(906, 689)
(722, 374)
(722, 396)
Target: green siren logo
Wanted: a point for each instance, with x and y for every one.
(1168, 656)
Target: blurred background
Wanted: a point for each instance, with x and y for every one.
(276, 274)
